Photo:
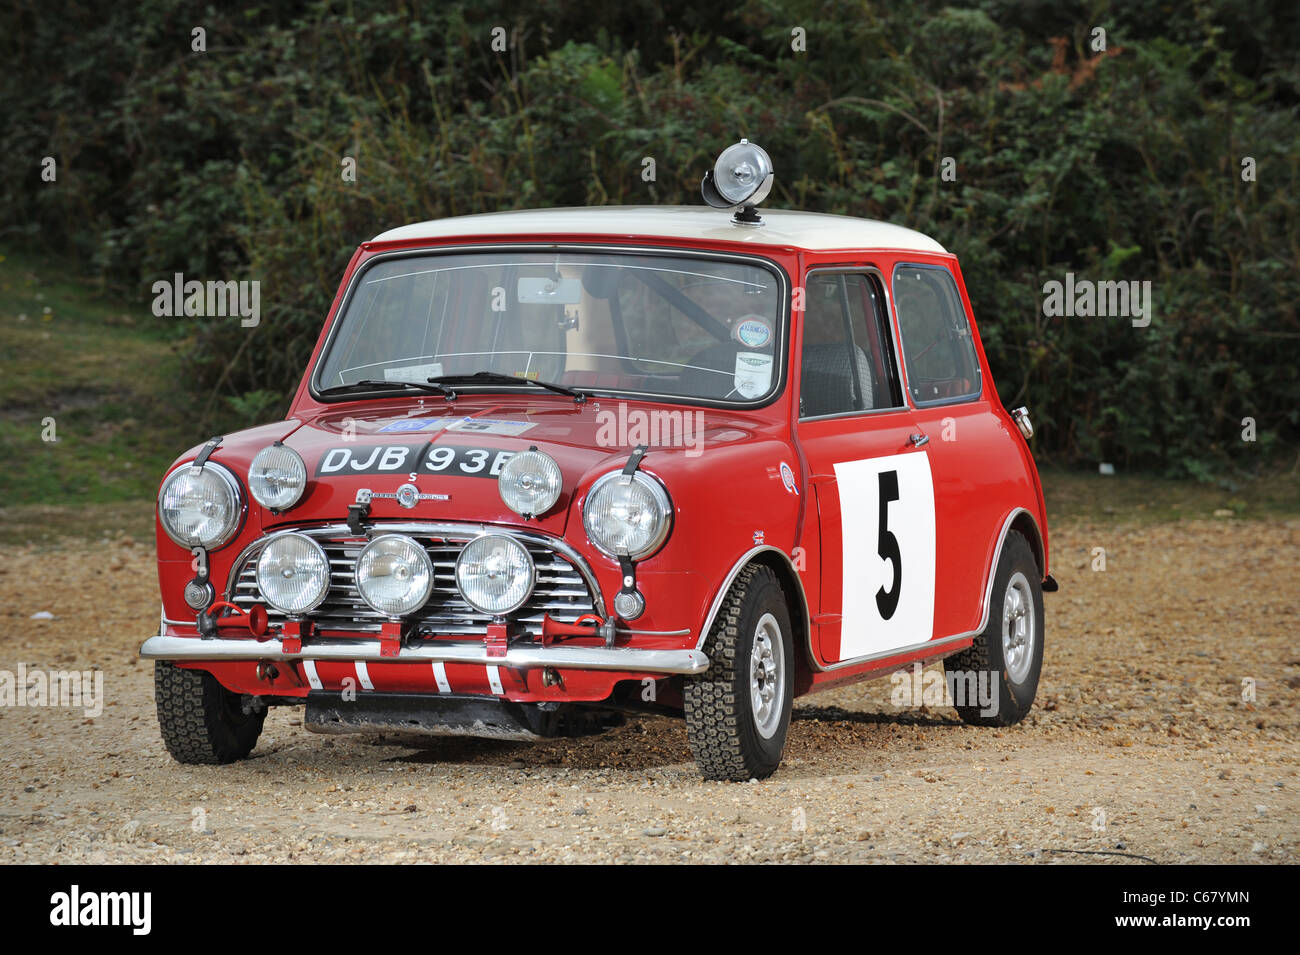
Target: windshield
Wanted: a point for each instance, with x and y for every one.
(668, 325)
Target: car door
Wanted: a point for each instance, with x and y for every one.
(946, 388)
(871, 478)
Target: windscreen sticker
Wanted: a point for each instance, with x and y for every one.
(752, 332)
(492, 426)
(753, 373)
(419, 458)
(404, 425)
(419, 374)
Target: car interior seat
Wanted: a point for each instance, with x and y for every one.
(828, 382)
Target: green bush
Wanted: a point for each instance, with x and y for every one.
(1123, 165)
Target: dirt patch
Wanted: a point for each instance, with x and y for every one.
(1141, 744)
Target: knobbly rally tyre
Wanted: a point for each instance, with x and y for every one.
(1008, 655)
(738, 711)
(202, 721)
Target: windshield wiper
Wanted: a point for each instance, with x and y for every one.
(497, 377)
(376, 383)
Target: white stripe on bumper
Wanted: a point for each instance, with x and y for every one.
(440, 674)
(363, 676)
(313, 679)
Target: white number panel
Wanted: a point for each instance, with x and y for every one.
(887, 525)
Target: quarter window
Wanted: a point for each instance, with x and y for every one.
(938, 349)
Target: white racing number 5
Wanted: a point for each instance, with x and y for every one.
(887, 529)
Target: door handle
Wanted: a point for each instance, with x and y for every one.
(919, 439)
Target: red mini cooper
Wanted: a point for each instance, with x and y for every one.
(546, 468)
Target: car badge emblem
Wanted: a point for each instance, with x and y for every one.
(408, 495)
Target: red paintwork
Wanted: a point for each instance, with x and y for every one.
(721, 499)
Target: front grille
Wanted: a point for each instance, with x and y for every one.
(560, 589)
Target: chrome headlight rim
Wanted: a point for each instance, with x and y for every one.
(519, 460)
(329, 576)
(236, 522)
(300, 469)
(663, 502)
(528, 590)
(759, 165)
(424, 558)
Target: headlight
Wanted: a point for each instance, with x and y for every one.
(199, 508)
(742, 176)
(495, 574)
(530, 483)
(293, 573)
(627, 518)
(394, 575)
(277, 477)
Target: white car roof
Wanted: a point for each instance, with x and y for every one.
(802, 230)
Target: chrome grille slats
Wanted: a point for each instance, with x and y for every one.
(562, 589)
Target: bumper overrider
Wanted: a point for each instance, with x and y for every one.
(444, 631)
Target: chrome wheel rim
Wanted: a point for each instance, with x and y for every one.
(1018, 628)
(767, 675)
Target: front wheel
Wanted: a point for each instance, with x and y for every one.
(201, 721)
(995, 679)
(738, 711)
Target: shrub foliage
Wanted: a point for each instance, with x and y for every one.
(1117, 164)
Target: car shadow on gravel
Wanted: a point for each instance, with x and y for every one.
(454, 749)
(647, 744)
(652, 743)
(836, 714)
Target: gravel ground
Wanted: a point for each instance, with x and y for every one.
(1140, 745)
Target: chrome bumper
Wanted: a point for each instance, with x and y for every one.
(349, 649)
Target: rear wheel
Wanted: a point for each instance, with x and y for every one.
(1007, 657)
(738, 711)
(202, 721)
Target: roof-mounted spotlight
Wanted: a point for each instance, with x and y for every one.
(740, 179)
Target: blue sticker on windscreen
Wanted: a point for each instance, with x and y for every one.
(416, 424)
(753, 333)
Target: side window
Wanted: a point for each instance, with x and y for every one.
(937, 346)
(846, 363)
